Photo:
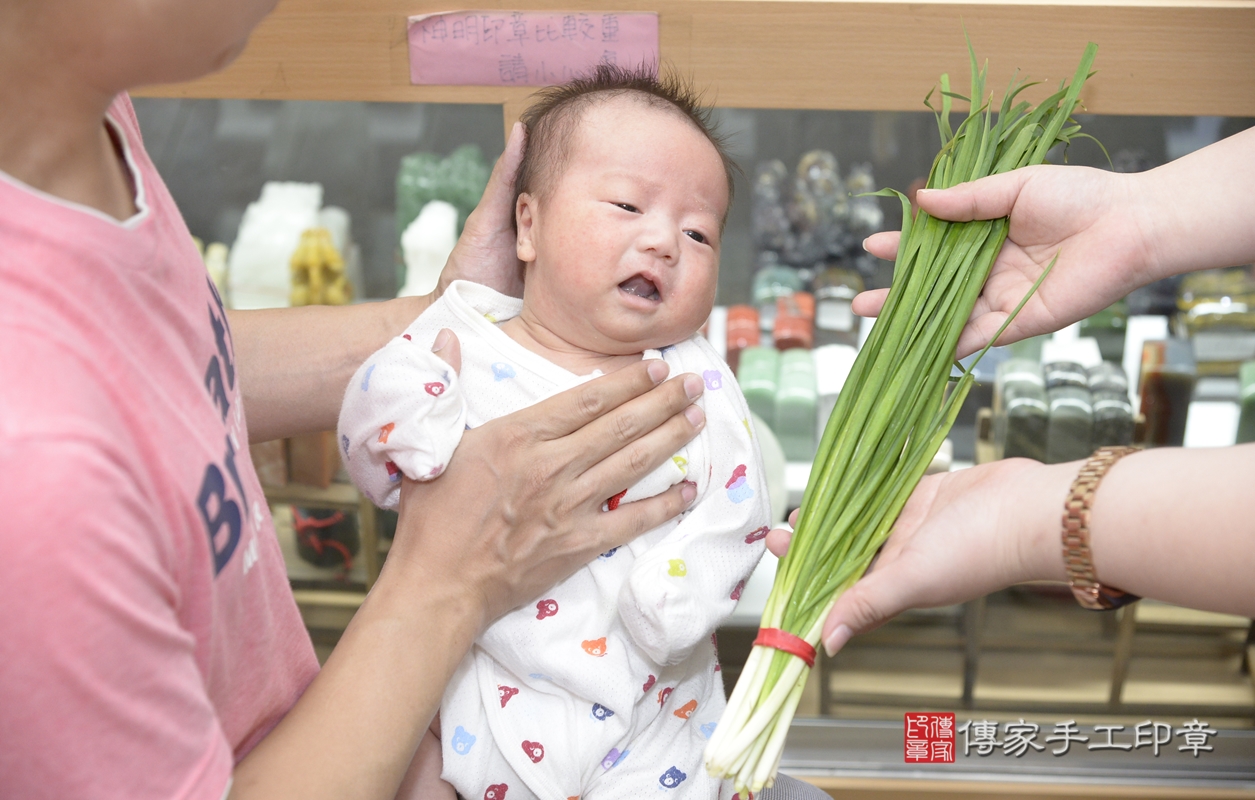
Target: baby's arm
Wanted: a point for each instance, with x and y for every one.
(679, 590)
(402, 415)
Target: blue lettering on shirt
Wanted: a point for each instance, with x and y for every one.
(224, 349)
(216, 388)
(222, 518)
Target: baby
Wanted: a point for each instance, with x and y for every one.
(608, 686)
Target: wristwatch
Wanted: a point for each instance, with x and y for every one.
(1078, 559)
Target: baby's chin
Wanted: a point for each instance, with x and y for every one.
(619, 337)
(623, 348)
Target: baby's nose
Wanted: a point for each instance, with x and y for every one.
(662, 240)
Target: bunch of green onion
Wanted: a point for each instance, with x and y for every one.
(893, 412)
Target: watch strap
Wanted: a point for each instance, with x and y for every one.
(1077, 557)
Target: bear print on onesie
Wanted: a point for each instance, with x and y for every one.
(607, 686)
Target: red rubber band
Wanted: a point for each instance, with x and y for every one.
(787, 643)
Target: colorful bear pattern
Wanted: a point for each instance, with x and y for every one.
(607, 686)
(402, 415)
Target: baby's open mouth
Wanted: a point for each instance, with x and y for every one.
(640, 286)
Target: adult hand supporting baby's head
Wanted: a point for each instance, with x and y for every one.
(519, 506)
(485, 251)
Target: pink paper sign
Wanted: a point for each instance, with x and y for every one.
(525, 48)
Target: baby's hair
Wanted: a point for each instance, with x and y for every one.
(552, 120)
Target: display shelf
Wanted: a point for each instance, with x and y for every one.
(986, 451)
(349, 601)
(1182, 57)
(340, 496)
(301, 573)
(1140, 664)
(1032, 650)
(337, 495)
(327, 610)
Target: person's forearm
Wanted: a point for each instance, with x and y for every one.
(1198, 208)
(294, 363)
(355, 730)
(518, 509)
(1174, 524)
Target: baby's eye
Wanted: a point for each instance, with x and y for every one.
(628, 207)
(697, 236)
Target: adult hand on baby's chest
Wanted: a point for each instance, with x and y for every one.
(522, 501)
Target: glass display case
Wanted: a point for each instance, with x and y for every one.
(322, 95)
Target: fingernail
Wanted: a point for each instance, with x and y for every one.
(688, 492)
(837, 639)
(442, 340)
(924, 191)
(658, 370)
(865, 242)
(693, 387)
(695, 416)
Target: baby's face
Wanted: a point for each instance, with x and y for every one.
(623, 250)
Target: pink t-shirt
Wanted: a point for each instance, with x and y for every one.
(148, 636)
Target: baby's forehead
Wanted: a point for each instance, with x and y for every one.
(591, 126)
(599, 113)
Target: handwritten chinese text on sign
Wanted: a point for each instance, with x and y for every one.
(525, 48)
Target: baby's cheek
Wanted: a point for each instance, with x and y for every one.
(696, 297)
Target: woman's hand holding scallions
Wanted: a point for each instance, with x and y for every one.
(964, 534)
(1112, 233)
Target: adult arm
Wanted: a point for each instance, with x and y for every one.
(518, 509)
(1112, 233)
(294, 363)
(1172, 524)
(1166, 523)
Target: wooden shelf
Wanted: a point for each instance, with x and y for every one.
(1166, 616)
(342, 496)
(329, 599)
(944, 789)
(1174, 57)
(1021, 654)
(327, 610)
(337, 495)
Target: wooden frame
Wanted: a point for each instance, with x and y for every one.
(1173, 57)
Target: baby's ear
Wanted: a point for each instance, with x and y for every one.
(525, 224)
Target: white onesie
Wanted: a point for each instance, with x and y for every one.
(608, 686)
